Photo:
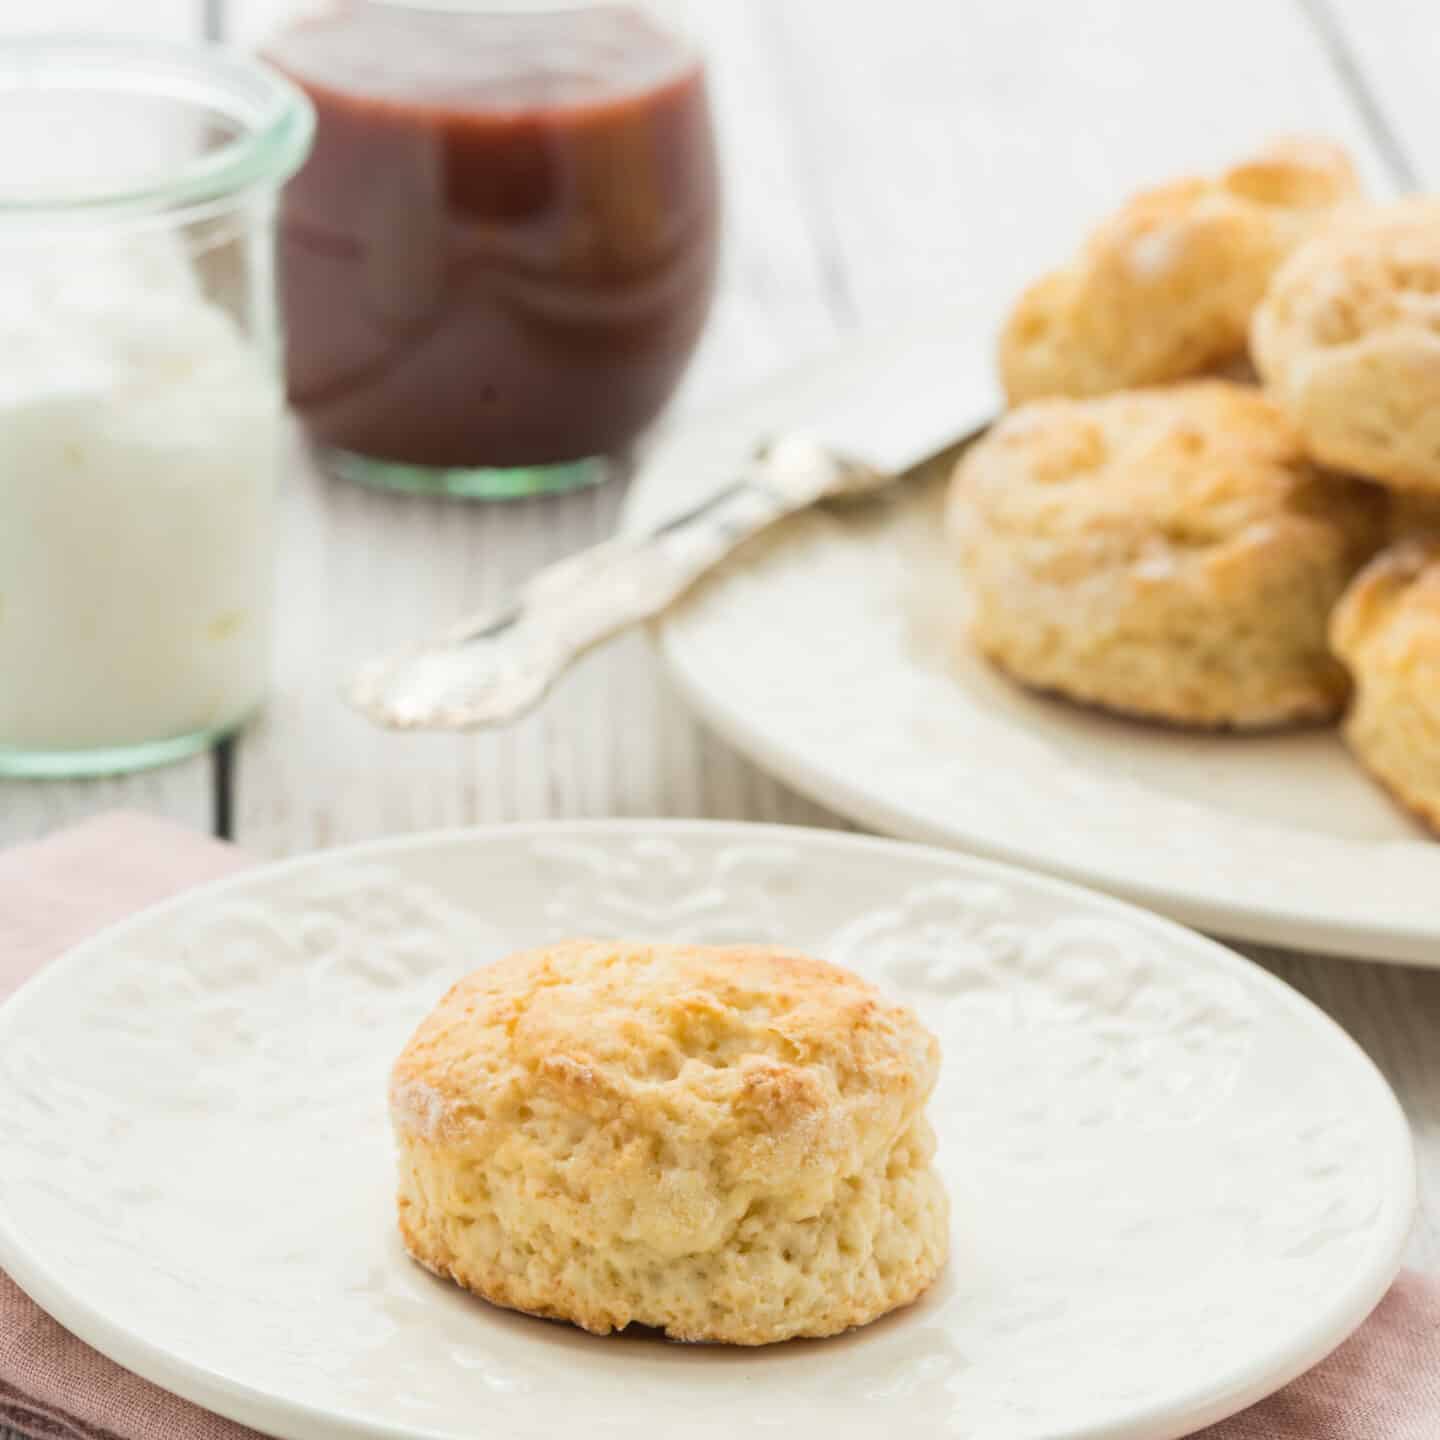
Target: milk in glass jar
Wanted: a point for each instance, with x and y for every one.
(140, 397)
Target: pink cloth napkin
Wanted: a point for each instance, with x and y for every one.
(1383, 1384)
(53, 894)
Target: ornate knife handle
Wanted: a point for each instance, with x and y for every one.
(494, 667)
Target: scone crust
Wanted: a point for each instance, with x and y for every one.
(1348, 340)
(1414, 515)
(1387, 631)
(1164, 289)
(1169, 554)
(724, 1143)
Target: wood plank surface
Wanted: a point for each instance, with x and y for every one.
(1384, 54)
(159, 19)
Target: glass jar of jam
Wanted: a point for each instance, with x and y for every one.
(499, 258)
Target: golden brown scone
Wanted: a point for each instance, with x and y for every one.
(1348, 340)
(1387, 631)
(726, 1144)
(1164, 289)
(1165, 553)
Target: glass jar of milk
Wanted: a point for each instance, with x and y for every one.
(140, 397)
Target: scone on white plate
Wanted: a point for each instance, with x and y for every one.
(1166, 553)
(1164, 289)
(1348, 341)
(727, 1144)
(1387, 631)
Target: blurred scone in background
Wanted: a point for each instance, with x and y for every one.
(1168, 553)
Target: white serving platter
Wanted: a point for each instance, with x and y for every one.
(832, 653)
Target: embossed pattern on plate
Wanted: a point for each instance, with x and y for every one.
(832, 652)
(1175, 1183)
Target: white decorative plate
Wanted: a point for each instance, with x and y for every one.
(1176, 1184)
(832, 653)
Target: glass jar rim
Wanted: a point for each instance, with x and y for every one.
(274, 119)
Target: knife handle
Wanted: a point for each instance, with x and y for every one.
(493, 667)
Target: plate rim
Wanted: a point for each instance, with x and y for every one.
(243, 1402)
(1337, 937)
(1369, 938)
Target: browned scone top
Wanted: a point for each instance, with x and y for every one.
(1164, 288)
(724, 1142)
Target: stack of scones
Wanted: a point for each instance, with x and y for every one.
(1208, 504)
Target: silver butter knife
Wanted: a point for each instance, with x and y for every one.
(494, 667)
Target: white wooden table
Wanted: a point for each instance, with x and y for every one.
(878, 158)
